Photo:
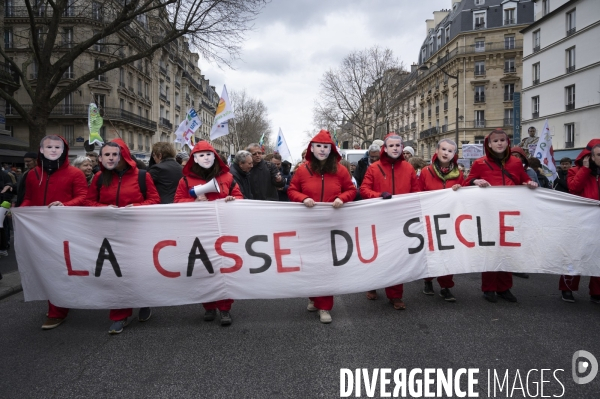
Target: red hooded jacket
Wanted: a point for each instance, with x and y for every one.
(307, 183)
(67, 184)
(580, 179)
(395, 176)
(123, 190)
(508, 172)
(190, 179)
(430, 181)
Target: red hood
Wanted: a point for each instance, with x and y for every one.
(488, 150)
(586, 151)
(323, 137)
(125, 153)
(383, 156)
(203, 146)
(520, 151)
(64, 157)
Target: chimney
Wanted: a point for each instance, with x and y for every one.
(430, 25)
(438, 16)
(413, 67)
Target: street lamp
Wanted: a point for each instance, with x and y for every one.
(424, 67)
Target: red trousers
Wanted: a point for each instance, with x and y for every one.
(496, 281)
(395, 291)
(571, 283)
(120, 314)
(322, 302)
(443, 281)
(223, 304)
(56, 312)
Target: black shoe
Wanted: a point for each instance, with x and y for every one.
(144, 314)
(507, 296)
(522, 275)
(225, 318)
(595, 298)
(428, 288)
(447, 295)
(210, 315)
(490, 296)
(567, 296)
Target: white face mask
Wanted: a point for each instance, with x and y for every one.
(393, 148)
(320, 150)
(52, 149)
(110, 157)
(205, 159)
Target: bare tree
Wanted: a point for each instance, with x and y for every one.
(250, 122)
(213, 28)
(359, 96)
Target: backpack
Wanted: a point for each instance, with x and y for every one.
(141, 182)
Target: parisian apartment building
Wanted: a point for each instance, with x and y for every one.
(561, 73)
(471, 61)
(142, 102)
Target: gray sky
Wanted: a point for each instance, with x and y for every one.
(295, 41)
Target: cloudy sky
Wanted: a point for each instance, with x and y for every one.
(295, 41)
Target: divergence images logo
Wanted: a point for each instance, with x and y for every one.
(579, 367)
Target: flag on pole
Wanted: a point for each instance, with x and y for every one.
(545, 153)
(95, 122)
(282, 147)
(335, 139)
(261, 141)
(186, 129)
(224, 113)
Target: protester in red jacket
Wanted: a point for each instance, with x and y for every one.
(391, 175)
(321, 179)
(207, 165)
(583, 181)
(498, 168)
(118, 185)
(53, 182)
(442, 173)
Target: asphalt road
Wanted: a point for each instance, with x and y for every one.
(276, 349)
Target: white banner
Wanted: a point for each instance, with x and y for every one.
(178, 254)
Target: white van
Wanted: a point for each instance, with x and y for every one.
(353, 155)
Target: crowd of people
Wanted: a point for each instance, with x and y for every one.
(114, 178)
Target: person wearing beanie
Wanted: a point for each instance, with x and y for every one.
(182, 158)
(408, 153)
(498, 168)
(121, 184)
(321, 178)
(389, 176)
(54, 182)
(584, 180)
(442, 173)
(207, 165)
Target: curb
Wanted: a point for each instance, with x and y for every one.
(10, 284)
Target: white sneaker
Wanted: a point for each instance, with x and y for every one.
(324, 316)
(311, 306)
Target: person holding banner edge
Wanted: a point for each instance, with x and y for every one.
(442, 173)
(321, 178)
(498, 168)
(583, 180)
(206, 166)
(118, 185)
(68, 188)
(389, 176)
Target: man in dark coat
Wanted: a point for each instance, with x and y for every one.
(370, 157)
(265, 177)
(165, 172)
(240, 167)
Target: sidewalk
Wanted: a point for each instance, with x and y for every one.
(10, 284)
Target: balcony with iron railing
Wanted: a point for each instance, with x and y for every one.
(536, 82)
(162, 70)
(571, 31)
(570, 69)
(570, 106)
(177, 83)
(406, 128)
(177, 107)
(108, 113)
(165, 122)
(140, 93)
(163, 96)
(476, 124)
(569, 144)
(480, 25)
(187, 98)
(508, 122)
(42, 10)
(510, 21)
(413, 125)
(444, 128)
(510, 69)
(428, 133)
(508, 96)
(536, 48)
(480, 98)
(479, 72)
(535, 115)
(131, 89)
